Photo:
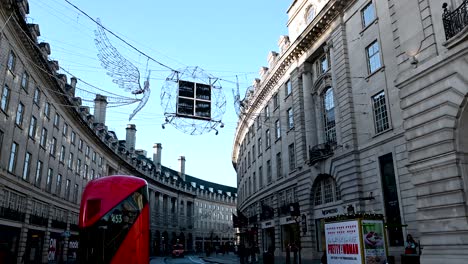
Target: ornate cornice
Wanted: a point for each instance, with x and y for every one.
(300, 46)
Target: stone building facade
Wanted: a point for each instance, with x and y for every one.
(361, 111)
(51, 146)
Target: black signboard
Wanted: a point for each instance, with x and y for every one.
(194, 100)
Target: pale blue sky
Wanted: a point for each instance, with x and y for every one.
(225, 38)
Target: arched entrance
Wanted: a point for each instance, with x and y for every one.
(326, 202)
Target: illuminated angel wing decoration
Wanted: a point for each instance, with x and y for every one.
(124, 73)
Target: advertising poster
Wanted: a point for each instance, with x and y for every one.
(375, 251)
(343, 243)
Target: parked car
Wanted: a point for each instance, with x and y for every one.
(178, 251)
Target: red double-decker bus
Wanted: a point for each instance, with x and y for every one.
(114, 221)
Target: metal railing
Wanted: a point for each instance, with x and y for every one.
(455, 21)
(320, 152)
(11, 214)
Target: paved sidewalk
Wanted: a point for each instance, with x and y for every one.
(229, 258)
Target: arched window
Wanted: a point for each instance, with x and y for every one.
(329, 115)
(326, 190)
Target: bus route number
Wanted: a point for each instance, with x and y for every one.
(116, 218)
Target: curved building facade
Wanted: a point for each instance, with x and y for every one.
(51, 146)
(360, 111)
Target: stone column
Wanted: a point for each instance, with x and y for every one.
(310, 117)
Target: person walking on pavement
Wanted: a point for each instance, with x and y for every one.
(241, 252)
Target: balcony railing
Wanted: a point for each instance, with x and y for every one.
(11, 214)
(455, 21)
(320, 152)
(38, 220)
(60, 224)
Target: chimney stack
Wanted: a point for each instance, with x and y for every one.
(157, 148)
(131, 137)
(73, 81)
(182, 167)
(100, 106)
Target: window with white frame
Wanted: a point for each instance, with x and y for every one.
(268, 138)
(368, 14)
(65, 129)
(290, 118)
(38, 176)
(373, 57)
(279, 166)
(32, 127)
(25, 81)
(254, 177)
(11, 63)
(267, 112)
(53, 146)
(275, 101)
(329, 115)
(288, 87)
(78, 166)
(70, 160)
(13, 157)
(43, 140)
(380, 112)
(326, 191)
(5, 98)
(27, 166)
(259, 123)
(62, 154)
(73, 137)
(19, 115)
(67, 189)
(253, 153)
(292, 157)
(75, 193)
(323, 64)
(58, 185)
(259, 146)
(56, 120)
(37, 96)
(50, 175)
(269, 178)
(85, 171)
(277, 129)
(47, 110)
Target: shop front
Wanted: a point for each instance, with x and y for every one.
(320, 215)
(55, 249)
(34, 246)
(73, 245)
(268, 235)
(9, 237)
(289, 233)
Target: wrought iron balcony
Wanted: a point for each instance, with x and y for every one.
(38, 220)
(60, 224)
(320, 152)
(74, 227)
(455, 21)
(11, 214)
